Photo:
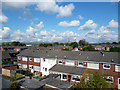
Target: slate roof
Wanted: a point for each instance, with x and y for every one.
(74, 55)
(4, 55)
(30, 83)
(68, 69)
(57, 83)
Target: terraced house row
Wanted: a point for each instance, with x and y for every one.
(71, 65)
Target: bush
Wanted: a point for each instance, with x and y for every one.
(14, 86)
(27, 73)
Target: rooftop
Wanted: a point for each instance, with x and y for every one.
(111, 57)
(68, 69)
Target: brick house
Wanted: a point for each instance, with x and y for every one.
(70, 65)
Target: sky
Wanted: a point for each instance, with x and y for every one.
(59, 21)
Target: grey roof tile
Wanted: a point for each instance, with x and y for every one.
(68, 69)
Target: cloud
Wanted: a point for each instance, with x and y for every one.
(52, 7)
(27, 14)
(106, 35)
(3, 18)
(90, 32)
(40, 26)
(112, 24)
(88, 25)
(20, 4)
(80, 17)
(70, 24)
(5, 33)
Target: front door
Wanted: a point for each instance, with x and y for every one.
(69, 78)
(118, 83)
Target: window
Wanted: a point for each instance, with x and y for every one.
(60, 62)
(30, 66)
(45, 69)
(19, 65)
(75, 78)
(36, 59)
(117, 68)
(69, 62)
(44, 59)
(36, 68)
(80, 64)
(19, 57)
(110, 79)
(106, 66)
(24, 58)
(30, 58)
(64, 76)
(93, 65)
(24, 66)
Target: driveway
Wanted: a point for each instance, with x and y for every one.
(4, 82)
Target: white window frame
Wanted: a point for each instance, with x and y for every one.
(118, 83)
(30, 66)
(24, 58)
(69, 62)
(19, 64)
(105, 67)
(117, 68)
(23, 65)
(80, 65)
(36, 68)
(37, 60)
(93, 67)
(61, 61)
(30, 58)
(112, 79)
(62, 76)
(75, 76)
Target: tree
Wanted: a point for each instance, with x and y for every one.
(7, 44)
(83, 43)
(114, 43)
(92, 80)
(14, 86)
(55, 43)
(3, 44)
(88, 48)
(74, 44)
(114, 49)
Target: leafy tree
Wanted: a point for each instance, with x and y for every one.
(83, 43)
(114, 43)
(55, 43)
(7, 44)
(3, 44)
(74, 44)
(68, 44)
(92, 80)
(14, 86)
(88, 48)
(114, 49)
(108, 43)
(61, 44)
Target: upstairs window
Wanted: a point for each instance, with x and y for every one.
(30, 58)
(24, 58)
(45, 69)
(117, 68)
(64, 76)
(44, 59)
(60, 62)
(106, 66)
(36, 59)
(80, 64)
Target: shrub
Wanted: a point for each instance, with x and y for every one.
(14, 86)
